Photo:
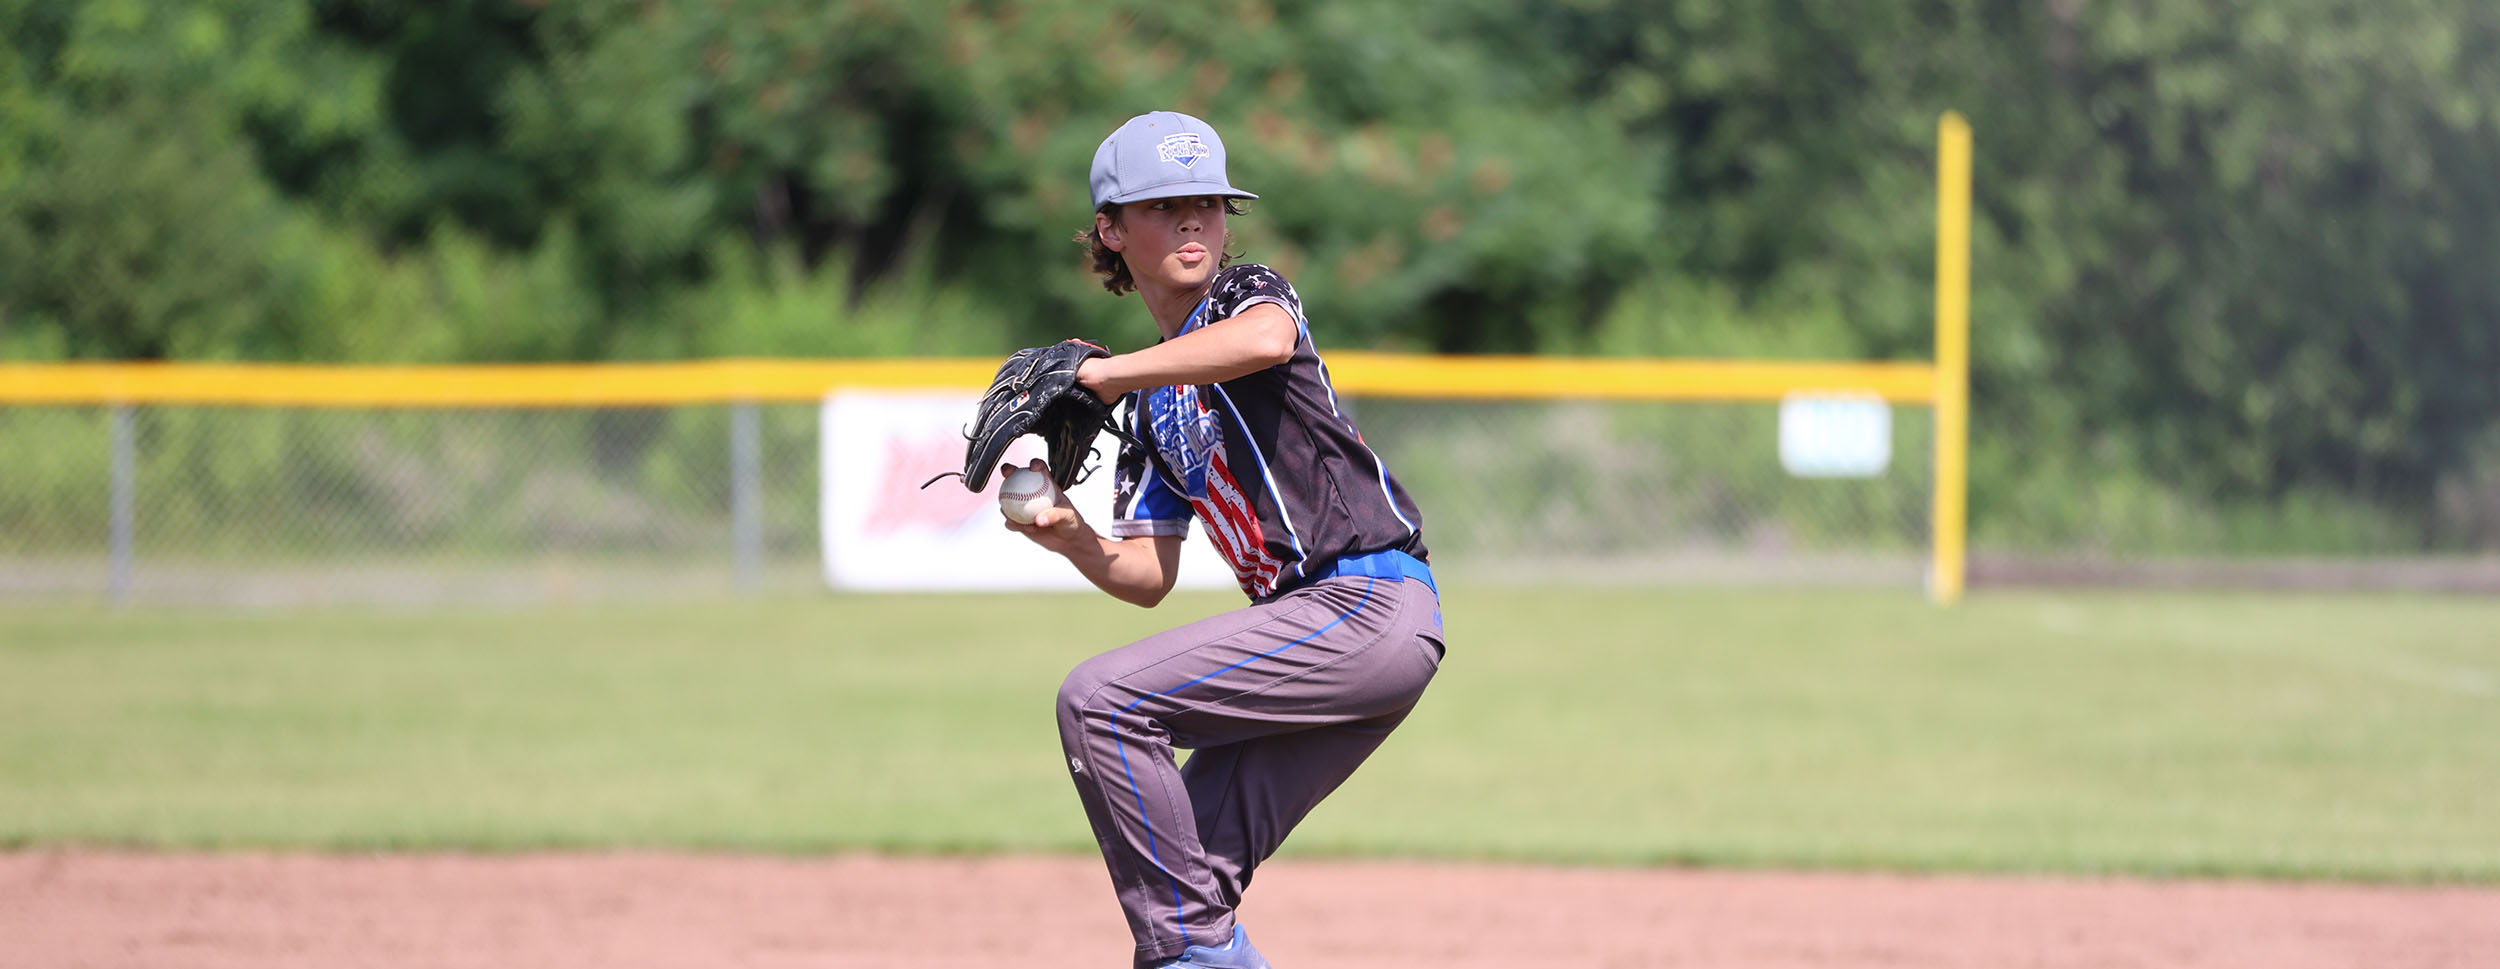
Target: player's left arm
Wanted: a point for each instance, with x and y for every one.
(1253, 340)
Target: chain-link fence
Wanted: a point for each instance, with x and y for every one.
(1650, 491)
(278, 505)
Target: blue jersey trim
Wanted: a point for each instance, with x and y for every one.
(1197, 316)
(1157, 501)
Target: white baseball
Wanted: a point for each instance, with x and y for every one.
(1024, 494)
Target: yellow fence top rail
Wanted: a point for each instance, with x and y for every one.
(716, 381)
(1521, 377)
(481, 385)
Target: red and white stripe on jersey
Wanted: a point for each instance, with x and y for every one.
(1233, 525)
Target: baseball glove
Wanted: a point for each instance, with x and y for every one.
(1036, 392)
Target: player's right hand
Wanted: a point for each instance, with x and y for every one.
(1058, 528)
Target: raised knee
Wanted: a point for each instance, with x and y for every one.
(1080, 692)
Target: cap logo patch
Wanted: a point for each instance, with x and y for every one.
(1182, 149)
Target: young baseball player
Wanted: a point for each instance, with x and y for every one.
(1280, 701)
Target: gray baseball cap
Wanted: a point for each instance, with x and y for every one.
(1161, 155)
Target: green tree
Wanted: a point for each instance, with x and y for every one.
(2239, 250)
(2244, 247)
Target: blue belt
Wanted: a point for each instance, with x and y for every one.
(1384, 564)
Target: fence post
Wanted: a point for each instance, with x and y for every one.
(746, 484)
(1953, 165)
(125, 484)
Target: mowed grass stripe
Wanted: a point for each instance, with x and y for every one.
(2273, 736)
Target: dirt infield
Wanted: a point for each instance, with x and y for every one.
(70, 910)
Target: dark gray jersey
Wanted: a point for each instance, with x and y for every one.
(1269, 463)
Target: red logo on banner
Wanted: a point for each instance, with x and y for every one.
(900, 503)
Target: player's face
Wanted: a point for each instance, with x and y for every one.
(1174, 243)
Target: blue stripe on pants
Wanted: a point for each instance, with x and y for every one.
(1154, 852)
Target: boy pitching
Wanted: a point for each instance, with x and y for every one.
(1279, 701)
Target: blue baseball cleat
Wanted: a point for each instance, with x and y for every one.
(1236, 954)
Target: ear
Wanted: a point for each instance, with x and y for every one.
(1109, 229)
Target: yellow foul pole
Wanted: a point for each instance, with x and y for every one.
(1953, 154)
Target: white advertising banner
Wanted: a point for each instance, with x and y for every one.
(882, 532)
(1835, 435)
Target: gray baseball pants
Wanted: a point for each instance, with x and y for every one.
(1279, 702)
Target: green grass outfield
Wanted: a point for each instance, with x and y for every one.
(2165, 734)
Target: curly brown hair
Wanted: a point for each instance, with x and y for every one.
(1113, 269)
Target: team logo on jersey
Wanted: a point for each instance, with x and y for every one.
(1190, 435)
(1187, 433)
(1183, 149)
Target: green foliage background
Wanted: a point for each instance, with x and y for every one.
(2231, 256)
